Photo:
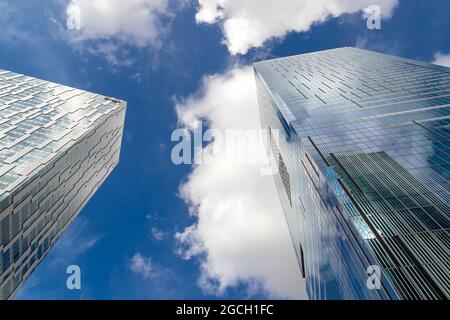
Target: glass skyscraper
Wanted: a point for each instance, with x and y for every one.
(57, 146)
(363, 155)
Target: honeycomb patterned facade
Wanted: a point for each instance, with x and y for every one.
(365, 142)
(57, 145)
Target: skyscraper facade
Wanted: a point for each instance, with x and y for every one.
(361, 140)
(57, 146)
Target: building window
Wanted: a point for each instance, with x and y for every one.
(282, 169)
(302, 265)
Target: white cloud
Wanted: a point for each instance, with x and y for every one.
(11, 24)
(442, 59)
(240, 236)
(250, 23)
(74, 243)
(155, 216)
(135, 22)
(157, 234)
(141, 265)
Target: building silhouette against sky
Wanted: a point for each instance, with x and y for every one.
(363, 158)
(57, 146)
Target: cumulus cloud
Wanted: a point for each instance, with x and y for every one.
(157, 234)
(141, 265)
(248, 24)
(135, 22)
(240, 235)
(442, 59)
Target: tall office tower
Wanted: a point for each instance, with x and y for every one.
(57, 146)
(361, 140)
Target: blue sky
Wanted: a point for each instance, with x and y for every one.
(141, 236)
